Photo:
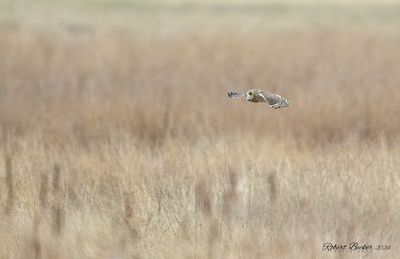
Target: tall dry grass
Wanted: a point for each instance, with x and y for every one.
(120, 142)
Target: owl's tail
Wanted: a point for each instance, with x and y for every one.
(283, 103)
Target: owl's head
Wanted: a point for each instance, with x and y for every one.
(251, 94)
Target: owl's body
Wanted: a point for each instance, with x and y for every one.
(256, 95)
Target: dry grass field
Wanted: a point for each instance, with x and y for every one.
(117, 139)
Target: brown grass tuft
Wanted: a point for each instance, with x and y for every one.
(43, 193)
(203, 198)
(36, 243)
(273, 188)
(129, 215)
(10, 184)
(58, 210)
(56, 180)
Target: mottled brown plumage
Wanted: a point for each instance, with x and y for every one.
(256, 95)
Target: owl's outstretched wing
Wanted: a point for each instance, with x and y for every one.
(275, 101)
(234, 95)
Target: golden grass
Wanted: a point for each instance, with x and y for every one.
(122, 143)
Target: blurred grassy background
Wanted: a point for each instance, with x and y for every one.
(119, 140)
(109, 11)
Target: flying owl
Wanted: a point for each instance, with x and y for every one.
(256, 95)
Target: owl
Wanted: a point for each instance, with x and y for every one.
(256, 95)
